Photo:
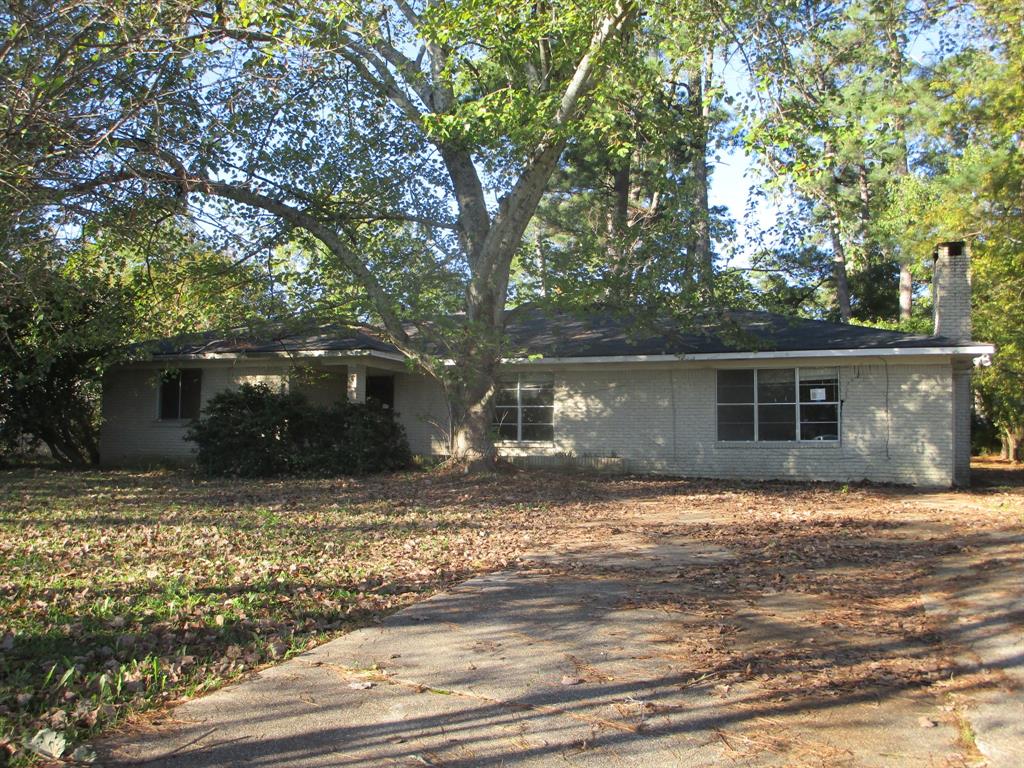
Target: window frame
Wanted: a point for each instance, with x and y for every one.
(504, 383)
(179, 374)
(798, 408)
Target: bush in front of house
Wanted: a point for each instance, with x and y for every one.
(256, 432)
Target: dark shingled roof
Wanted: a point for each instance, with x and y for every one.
(596, 333)
(326, 338)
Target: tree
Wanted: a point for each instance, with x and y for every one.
(626, 220)
(58, 330)
(832, 127)
(71, 307)
(972, 186)
(402, 136)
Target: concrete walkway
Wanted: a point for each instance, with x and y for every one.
(607, 655)
(980, 601)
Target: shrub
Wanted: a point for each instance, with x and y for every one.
(255, 432)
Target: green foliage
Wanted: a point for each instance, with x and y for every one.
(70, 309)
(839, 124)
(971, 186)
(59, 328)
(255, 432)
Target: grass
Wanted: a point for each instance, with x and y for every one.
(124, 591)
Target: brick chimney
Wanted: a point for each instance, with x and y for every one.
(951, 291)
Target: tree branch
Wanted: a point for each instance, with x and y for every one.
(517, 208)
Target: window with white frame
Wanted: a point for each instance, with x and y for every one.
(524, 409)
(180, 394)
(778, 405)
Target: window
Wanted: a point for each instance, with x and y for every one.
(819, 404)
(778, 405)
(524, 409)
(381, 390)
(180, 394)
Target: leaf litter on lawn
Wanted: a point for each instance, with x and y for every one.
(128, 590)
(125, 591)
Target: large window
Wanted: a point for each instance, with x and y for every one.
(524, 409)
(778, 405)
(180, 394)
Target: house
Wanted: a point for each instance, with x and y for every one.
(782, 398)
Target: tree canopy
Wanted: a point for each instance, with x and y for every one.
(420, 164)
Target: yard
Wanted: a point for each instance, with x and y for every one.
(126, 591)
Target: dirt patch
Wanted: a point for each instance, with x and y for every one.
(130, 590)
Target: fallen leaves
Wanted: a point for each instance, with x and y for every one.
(128, 590)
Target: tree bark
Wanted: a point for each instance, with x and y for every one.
(906, 292)
(617, 224)
(867, 240)
(1012, 439)
(906, 278)
(839, 276)
(470, 390)
(701, 244)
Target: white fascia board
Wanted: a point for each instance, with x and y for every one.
(309, 353)
(967, 351)
(973, 350)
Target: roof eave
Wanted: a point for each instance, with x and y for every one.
(305, 353)
(967, 351)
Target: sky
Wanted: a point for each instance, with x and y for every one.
(734, 175)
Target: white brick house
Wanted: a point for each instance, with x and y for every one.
(788, 398)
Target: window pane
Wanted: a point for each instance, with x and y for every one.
(819, 413)
(736, 422)
(505, 397)
(191, 391)
(535, 396)
(776, 386)
(776, 422)
(819, 431)
(525, 404)
(817, 385)
(819, 422)
(508, 432)
(170, 387)
(735, 386)
(544, 414)
(538, 432)
(504, 414)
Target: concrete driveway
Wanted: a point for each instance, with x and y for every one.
(671, 637)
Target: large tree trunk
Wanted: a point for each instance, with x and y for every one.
(868, 243)
(1012, 439)
(701, 244)
(906, 292)
(617, 226)
(471, 388)
(472, 441)
(906, 278)
(897, 67)
(839, 277)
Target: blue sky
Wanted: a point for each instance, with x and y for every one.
(734, 175)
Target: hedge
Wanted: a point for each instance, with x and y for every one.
(256, 432)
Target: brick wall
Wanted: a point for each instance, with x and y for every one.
(962, 397)
(423, 411)
(951, 291)
(131, 433)
(897, 425)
